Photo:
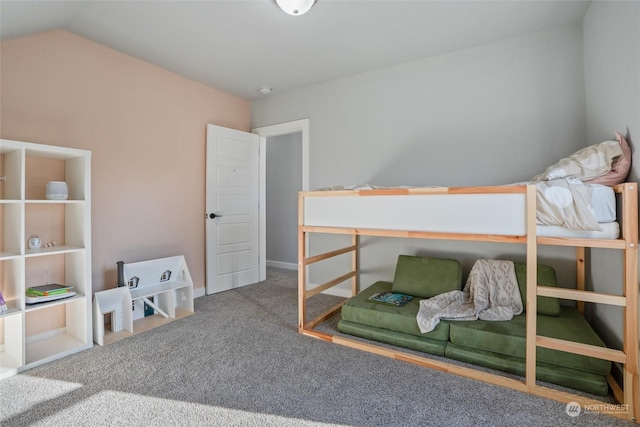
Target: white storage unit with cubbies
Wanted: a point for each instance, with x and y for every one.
(33, 334)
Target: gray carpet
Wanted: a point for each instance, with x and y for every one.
(239, 361)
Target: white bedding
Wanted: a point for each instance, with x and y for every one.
(600, 200)
(603, 202)
(572, 204)
(565, 203)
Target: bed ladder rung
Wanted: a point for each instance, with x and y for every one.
(311, 292)
(616, 390)
(330, 254)
(324, 316)
(582, 349)
(578, 295)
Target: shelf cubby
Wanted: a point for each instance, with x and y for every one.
(42, 168)
(61, 265)
(11, 284)
(11, 171)
(63, 331)
(11, 344)
(11, 229)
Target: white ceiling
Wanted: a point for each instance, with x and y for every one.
(239, 45)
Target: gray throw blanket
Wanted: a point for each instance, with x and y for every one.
(491, 293)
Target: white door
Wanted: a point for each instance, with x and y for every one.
(232, 209)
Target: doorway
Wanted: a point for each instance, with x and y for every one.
(284, 170)
(283, 182)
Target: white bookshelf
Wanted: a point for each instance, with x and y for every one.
(31, 335)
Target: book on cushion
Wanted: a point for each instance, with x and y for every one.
(393, 298)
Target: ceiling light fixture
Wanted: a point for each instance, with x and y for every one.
(265, 90)
(295, 7)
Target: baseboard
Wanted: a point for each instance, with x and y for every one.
(285, 265)
(344, 293)
(198, 292)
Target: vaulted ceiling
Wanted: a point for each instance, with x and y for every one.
(239, 45)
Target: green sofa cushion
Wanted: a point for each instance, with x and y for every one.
(399, 339)
(508, 338)
(360, 310)
(584, 381)
(546, 277)
(426, 277)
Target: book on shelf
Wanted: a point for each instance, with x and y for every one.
(36, 299)
(392, 298)
(46, 290)
(50, 292)
(3, 304)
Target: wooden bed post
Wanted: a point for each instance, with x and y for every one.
(532, 288)
(355, 241)
(630, 277)
(580, 275)
(302, 267)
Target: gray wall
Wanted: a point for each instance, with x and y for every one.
(493, 114)
(284, 180)
(612, 81)
(489, 115)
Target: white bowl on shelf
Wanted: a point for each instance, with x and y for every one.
(57, 190)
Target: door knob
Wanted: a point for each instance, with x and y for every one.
(213, 215)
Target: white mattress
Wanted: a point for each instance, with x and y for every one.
(610, 230)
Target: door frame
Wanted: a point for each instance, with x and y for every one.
(265, 132)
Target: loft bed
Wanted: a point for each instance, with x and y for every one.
(442, 213)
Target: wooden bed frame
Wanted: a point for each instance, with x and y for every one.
(626, 393)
